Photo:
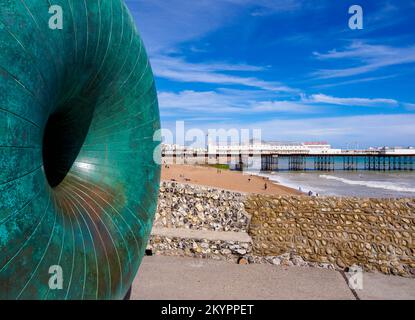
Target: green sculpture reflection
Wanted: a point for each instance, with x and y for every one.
(78, 183)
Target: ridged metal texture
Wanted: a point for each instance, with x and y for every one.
(78, 184)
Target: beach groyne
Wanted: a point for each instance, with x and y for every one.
(329, 232)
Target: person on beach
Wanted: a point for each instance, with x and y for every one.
(265, 186)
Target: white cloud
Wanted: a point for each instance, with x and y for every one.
(409, 106)
(165, 24)
(367, 130)
(177, 69)
(354, 81)
(190, 103)
(370, 57)
(361, 102)
(283, 107)
(194, 102)
(180, 64)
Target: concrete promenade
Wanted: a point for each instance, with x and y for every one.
(177, 278)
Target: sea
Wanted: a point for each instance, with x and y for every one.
(373, 184)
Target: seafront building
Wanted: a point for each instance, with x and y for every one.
(274, 147)
(256, 148)
(317, 148)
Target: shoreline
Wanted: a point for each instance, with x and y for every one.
(254, 183)
(375, 185)
(224, 179)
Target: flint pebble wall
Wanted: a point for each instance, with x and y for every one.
(377, 235)
(329, 232)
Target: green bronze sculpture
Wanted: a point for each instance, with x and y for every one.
(78, 182)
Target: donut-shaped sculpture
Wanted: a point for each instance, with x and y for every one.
(78, 183)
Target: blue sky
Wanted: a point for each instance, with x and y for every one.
(292, 68)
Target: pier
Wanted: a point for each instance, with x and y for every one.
(344, 162)
(301, 162)
(316, 156)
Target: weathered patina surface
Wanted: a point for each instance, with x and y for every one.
(78, 183)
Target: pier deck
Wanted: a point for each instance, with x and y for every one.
(296, 161)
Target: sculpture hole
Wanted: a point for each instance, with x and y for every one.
(63, 137)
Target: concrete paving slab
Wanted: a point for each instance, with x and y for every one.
(377, 286)
(202, 234)
(177, 278)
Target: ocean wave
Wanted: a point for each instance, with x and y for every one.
(371, 184)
